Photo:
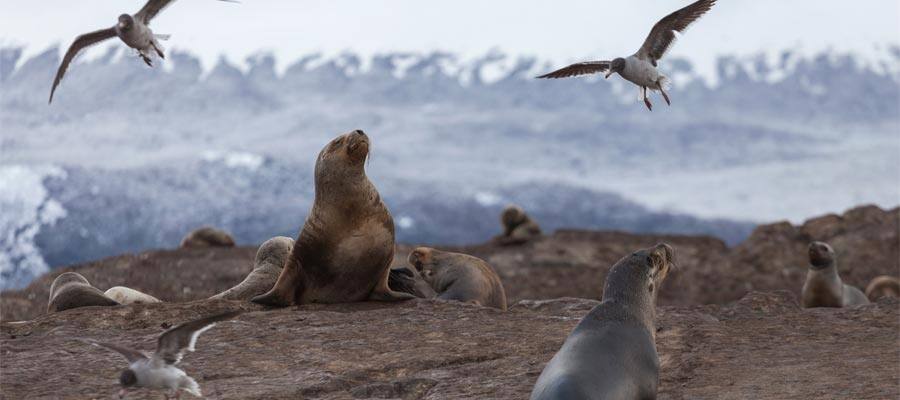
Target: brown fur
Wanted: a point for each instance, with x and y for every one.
(883, 286)
(71, 290)
(823, 286)
(461, 277)
(270, 259)
(518, 227)
(207, 236)
(344, 251)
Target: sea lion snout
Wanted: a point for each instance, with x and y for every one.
(357, 145)
(820, 254)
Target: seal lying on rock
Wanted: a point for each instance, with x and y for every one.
(461, 277)
(270, 258)
(611, 354)
(518, 227)
(71, 290)
(344, 252)
(883, 286)
(823, 287)
(207, 236)
(125, 295)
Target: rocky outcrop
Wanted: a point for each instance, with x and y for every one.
(568, 263)
(763, 347)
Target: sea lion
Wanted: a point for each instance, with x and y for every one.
(518, 227)
(71, 290)
(344, 251)
(207, 236)
(461, 277)
(611, 353)
(404, 278)
(883, 286)
(823, 286)
(270, 258)
(125, 295)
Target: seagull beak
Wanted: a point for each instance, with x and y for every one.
(608, 74)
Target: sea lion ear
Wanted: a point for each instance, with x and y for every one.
(657, 259)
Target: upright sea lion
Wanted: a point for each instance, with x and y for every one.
(406, 279)
(125, 295)
(518, 227)
(270, 258)
(344, 252)
(823, 287)
(461, 277)
(883, 286)
(611, 354)
(71, 290)
(207, 236)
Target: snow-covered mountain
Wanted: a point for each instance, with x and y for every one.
(128, 157)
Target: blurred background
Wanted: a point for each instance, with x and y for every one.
(781, 111)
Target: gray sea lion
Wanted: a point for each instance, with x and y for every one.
(125, 295)
(71, 290)
(823, 286)
(611, 354)
(344, 252)
(270, 258)
(883, 286)
(404, 278)
(207, 236)
(461, 277)
(518, 227)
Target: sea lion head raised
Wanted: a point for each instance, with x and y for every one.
(512, 217)
(64, 279)
(343, 158)
(821, 255)
(274, 251)
(640, 273)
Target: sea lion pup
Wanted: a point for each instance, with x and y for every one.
(71, 290)
(344, 251)
(207, 236)
(406, 279)
(823, 286)
(518, 227)
(883, 286)
(125, 295)
(611, 354)
(270, 258)
(461, 277)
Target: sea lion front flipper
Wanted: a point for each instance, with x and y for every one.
(379, 294)
(285, 289)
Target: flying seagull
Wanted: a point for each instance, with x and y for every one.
(159, 371)
(133, 30)
(640, 68)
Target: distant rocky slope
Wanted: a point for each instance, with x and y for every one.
(567, 263)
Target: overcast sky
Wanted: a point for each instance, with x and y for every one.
(558, 30)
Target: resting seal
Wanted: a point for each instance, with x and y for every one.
(270, 258)
(611, 354)
(883, 286)
(518, 227)
(823, 286)
(71, 290)
(207, 236)
(461, 277)
(125, 295)
(344, 251)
